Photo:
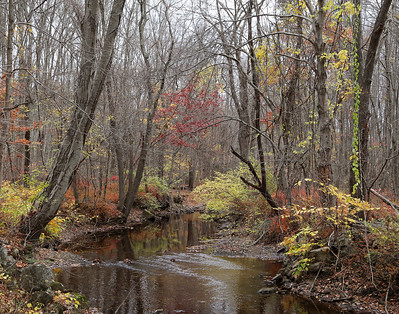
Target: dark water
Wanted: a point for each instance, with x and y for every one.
(149, 269)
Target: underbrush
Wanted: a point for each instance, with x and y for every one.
(94, 207)
(227, 197)
(153, 194)
(16, 200)
(353, 239)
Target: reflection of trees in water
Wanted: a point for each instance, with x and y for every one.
(174, 235)
(193, 283)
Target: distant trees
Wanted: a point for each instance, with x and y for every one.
(276, 82)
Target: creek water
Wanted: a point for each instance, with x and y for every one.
(149, 270)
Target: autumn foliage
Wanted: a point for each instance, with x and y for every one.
(188, 113)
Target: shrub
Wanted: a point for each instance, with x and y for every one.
(374, 243)
(154, 193)
(16, 200)
(226, 193)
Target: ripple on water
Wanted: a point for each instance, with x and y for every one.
(133, 279)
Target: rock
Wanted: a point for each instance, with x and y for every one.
(44, 297)
(15, 252)
(286, 260)
(10, 260)
(36, 277)
(267, 290)
(320, 255)
(57, 286)
(5, 259)
(270, 283)
(3, 256)
(278, 278)
(314, 268)
(287, 284)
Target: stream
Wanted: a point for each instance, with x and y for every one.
(150, 270)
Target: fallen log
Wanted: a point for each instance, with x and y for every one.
(386, 201)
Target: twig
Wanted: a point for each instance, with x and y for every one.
(256, 242)
(314, 281)
(386, 295)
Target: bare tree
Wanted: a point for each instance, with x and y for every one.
(366, 71)
(90, 84)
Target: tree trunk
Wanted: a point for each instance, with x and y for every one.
(261, 183)
(287, 113)
(365, 80)
(120, 160)
(324, 168)
(7, 96)
(90, 84)
(152, 99)
(240, 97)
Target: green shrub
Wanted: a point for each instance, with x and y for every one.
(16, 200)
(153, 193)
(226, 193)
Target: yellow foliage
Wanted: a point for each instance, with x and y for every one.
(16, 200)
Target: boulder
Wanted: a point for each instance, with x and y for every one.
(43, 297)
(320, 255)
(36, 277)
(57, 286)
(315, 267)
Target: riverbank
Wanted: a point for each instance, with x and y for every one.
(325, 286)
(348, 295)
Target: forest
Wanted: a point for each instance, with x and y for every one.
(278, 117)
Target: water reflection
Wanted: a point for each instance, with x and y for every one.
(174, 235)
(133, 279)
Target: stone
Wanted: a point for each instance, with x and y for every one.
(314, 268)
(267, 290)
(15, 252)
(270, 283)
(286, 260)
(43, 297)
(10, 260)
(3, 256)
(320, 255)
(57, 286)
(36, 277)
(278, 278)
